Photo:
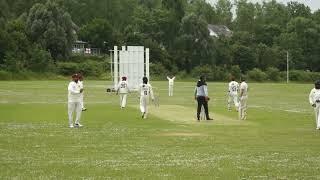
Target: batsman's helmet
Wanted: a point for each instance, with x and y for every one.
(145, 80)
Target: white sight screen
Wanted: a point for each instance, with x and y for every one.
(131, 64)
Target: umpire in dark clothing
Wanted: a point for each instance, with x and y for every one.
(201, 95)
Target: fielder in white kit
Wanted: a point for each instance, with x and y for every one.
(171, 83)
(145, 90)
(81, 87)
(243, 95)
(314, 99)
(123, 90)
(74, 101)
(233, 94)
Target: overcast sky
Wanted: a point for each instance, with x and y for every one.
(313, 4)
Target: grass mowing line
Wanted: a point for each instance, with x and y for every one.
(182, 134)
(182, 114)
(302, 111)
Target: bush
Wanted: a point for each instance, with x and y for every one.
(219, 73)
(158, 70)
(257, 75)
(212, 73)
(298, 75)
(205, 70)
(235, 71)
(67, 68)
(273, 74)
(91, 68)
(40, 61)
(5, 75)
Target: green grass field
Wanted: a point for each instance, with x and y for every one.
(277, 141)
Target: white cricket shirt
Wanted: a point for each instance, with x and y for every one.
(244, 88)
(233, 87)
(146, 90)
(74, 94)
(314, 96)
(123, 87)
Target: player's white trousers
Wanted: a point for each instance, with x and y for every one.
(123, 99)
(317, 112)
(234, 98)
(144, 104)
(243, 107)
(81, 101)
(170, 90)
(74, 107)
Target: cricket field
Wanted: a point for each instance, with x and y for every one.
(277, 141)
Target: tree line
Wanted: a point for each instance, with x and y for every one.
(37, 35)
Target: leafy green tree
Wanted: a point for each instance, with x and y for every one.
(194, 45)
(223, 11)
(273, 12)
(98, 33)
(18, 45)
(245, 16)
(267, 33)
(51, 27)
(297, 9)
(204, 10)
(243, 56)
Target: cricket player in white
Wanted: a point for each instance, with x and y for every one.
(314, 99)
(81, 87)
(171, 83)
(123, 90)
(243, 95)
(233, 94)
(145, 90)
(74, 101)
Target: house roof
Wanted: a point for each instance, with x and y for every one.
(219, 30)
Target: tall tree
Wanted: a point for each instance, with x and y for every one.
(223, 9)
(245, 16)
(51, 27)
(98, 33)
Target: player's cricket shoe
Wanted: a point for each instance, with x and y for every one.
(84, 109)
(318, 128)
(71, 126)
(143, 115)
(209, 119)
(78, 125)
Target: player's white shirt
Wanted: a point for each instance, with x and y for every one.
(123, 87)
(171, 81)
(314, 96)
(80, 84)
(233, 87)
(244, 88)
(146, 90)
(74, 94)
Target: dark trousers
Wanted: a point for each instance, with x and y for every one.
(202, 102)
